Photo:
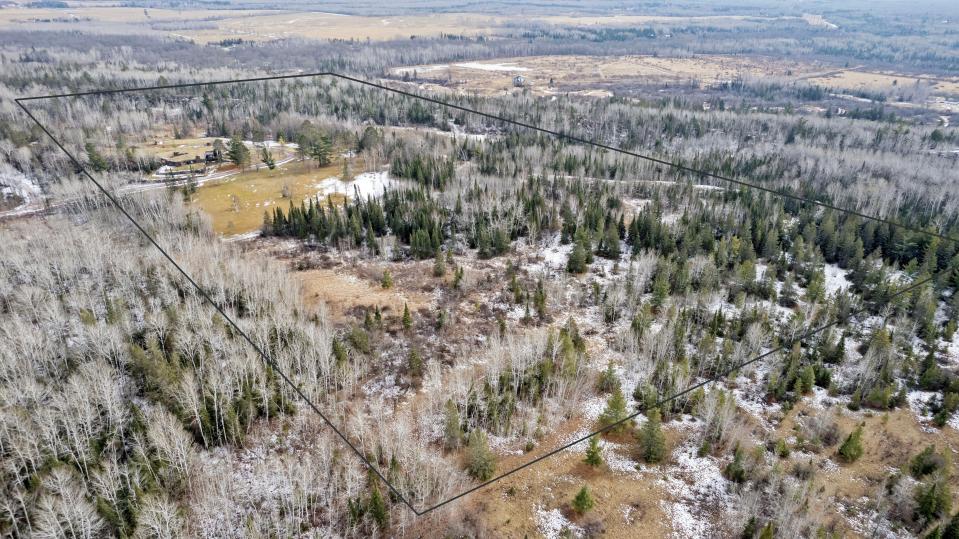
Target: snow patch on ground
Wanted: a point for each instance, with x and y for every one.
(836, 279)
(492, 67)
(698, 487)
(552, 524)
(364, 185)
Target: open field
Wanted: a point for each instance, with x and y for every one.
(334, 26)
(165, 147)
(237, 204)
(582, 71)
(854, 79)
(208, 25)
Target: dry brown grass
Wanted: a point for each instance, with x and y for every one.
(573, 71)
(264, 25)
(854, 79)
(237, 204)
(890, 440)
(507, 508)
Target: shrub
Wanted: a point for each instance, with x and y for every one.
(926, 462)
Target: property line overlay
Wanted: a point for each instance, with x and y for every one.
(271, 363)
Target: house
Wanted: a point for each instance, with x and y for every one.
(179, 159)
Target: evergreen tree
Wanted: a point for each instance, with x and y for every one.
(608, 381)
(652, 441)
(539, 300)
(95, 159)
(615, 411)
(267, 157)
(594, 453)
(609, 247)
(933, 499)
(480, 460)
(452, 430)
(851, 449)
(377, 509)
(415, 364)
(238, 153)
(660, 289)
(577, 260)
(387, 281)
(735, 471)
(583, 501)
(339, 352)
(926, 462)
(439, 265)
(407, 317)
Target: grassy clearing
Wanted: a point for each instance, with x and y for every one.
(577, 71)
(868, 80)
(237, 204)
(165, 147)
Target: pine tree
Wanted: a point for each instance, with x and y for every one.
(387, 281)
(608, 381)
(339, 352)
(652, 441)
(439, 265)
(377, 509)
(96, 161)
(594, 453)
(851, 449)
(583, 501)
(615, 411)
(807, 379)
(660, 289)
(577, 260)
(933, 499)
(782, 448)
(539, 300)
(452, 430)
(267, 157)
(480, 460)
(238, 153)
(736, 471)
(415, 364)
(407, 317)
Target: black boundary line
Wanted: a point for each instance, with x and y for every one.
(270, 362)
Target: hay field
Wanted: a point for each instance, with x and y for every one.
(855, 79)
(583, 71)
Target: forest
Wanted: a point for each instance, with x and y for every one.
(773, 356)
